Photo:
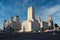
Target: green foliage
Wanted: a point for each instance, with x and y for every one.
(41, 29)
(56, 25)
(32, 29)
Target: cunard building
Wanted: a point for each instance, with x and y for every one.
(31, 24)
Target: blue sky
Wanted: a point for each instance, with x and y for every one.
(43, 8)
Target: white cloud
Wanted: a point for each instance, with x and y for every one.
(1, 9)
(52, 10)
(45, 12)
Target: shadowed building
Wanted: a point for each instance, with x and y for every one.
(13, 24)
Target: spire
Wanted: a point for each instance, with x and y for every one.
(4, 24)
(16, 18)
(50, 22)
(50, 17)
(11, 18)
(31, 13)
(5, 20)
(39, 19)
(17, 15)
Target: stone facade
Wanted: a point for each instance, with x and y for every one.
(28, 25)
(13, 24)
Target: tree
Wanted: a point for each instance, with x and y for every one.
(32, 30)
(41, 29)
(56, 25)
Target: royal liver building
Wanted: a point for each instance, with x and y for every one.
(29, 25)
